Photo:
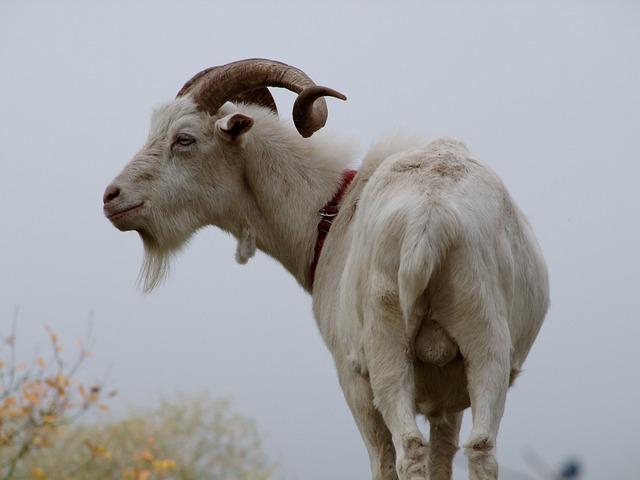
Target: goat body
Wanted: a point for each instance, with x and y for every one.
(441, 285)
(432, 256)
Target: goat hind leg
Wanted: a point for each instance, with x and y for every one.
(375, 433)
(443, 440)
(388, 353)
(485, 348)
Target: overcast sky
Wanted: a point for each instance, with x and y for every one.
(548, 95)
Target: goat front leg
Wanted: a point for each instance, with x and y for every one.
(443, 439)
(375, 433)
(388, 352)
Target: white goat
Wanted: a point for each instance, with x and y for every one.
(430, 288)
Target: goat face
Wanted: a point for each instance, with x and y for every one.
(183, 178)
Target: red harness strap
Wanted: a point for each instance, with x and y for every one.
(328, 213)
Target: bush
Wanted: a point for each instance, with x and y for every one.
(186, 437)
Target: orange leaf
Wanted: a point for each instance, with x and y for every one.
(146, 455)
(142, 474)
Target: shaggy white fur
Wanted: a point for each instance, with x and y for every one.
(442, 286)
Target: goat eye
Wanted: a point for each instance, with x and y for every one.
(184, 139)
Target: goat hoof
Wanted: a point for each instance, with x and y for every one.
(412, 460)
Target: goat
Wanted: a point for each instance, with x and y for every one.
(429, 288)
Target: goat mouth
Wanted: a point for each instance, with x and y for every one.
(126, 212)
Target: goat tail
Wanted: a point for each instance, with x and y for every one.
(424, 247)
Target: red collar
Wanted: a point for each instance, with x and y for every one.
(328, 213)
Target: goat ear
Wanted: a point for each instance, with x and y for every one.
(234, 126)
(246, 245)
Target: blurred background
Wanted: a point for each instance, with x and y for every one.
(546, 93)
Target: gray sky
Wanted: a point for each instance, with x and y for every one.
(548, 95)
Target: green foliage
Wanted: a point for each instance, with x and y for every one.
(181, 438)
(185, 438)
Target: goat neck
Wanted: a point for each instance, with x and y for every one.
(288, 180)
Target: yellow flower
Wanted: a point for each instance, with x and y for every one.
(164, 464)
(38, 473)
(98, 450)
(62, 381)
(49, 419)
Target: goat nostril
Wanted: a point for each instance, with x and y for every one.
(110, 193)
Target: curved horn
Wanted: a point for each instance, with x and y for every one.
(258, 96)
(307, 118)
(212, 87)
